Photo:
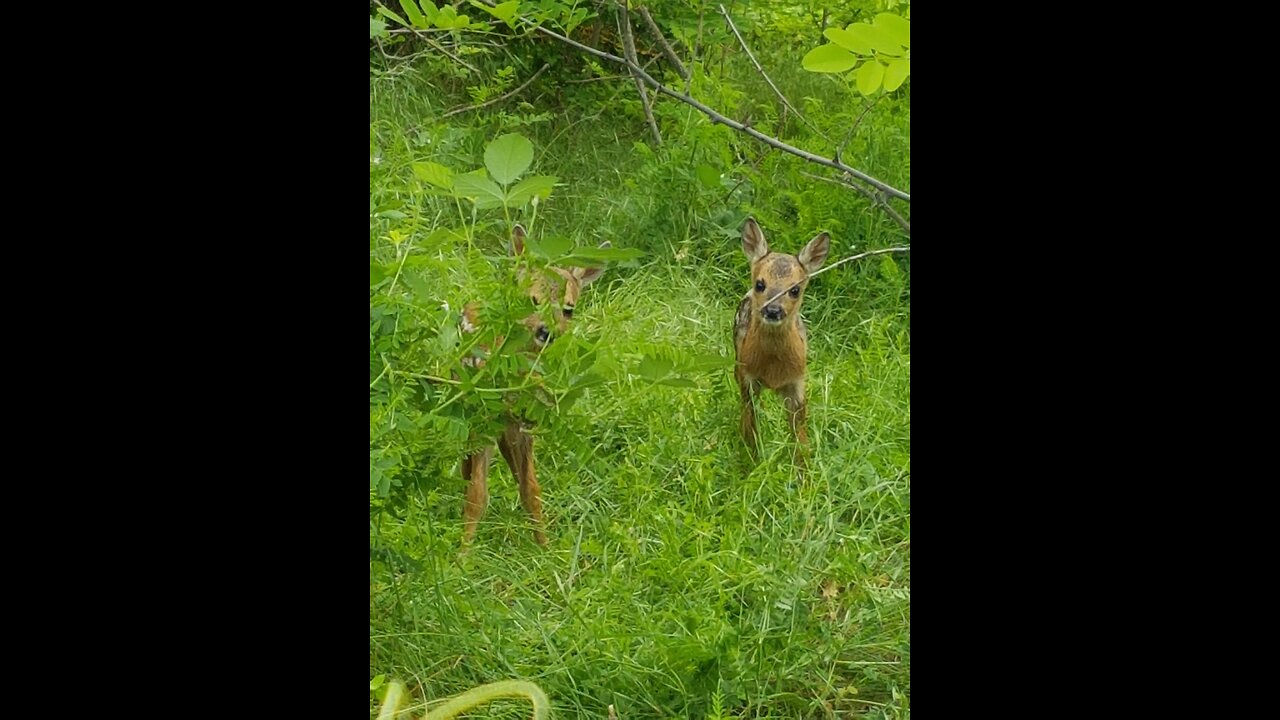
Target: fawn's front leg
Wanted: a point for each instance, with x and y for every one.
(475, 470)
(797, 414)
(517, 449)
(749, 389)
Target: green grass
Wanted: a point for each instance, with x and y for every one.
(678, 577)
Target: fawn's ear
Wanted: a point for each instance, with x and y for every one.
(753, 243)
(517, 239)
(815, 253)
(586, 276)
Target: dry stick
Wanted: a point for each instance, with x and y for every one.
(717, 117)
(833, 266)
(873, 197)
(487, 103)
(629, 49)
(765, 75)
(662, 43)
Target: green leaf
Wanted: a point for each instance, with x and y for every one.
(678, 382)
(508, 157)
(376, 273)
(708, 176)
(377, 27)
(504, 11)
(534, 185)
(869, 77)
(448, 337)
(889, 269)
(895, 27)
(896, 74)
(484, 192)
(828, 59)
(654, 368)
(419, 286)
(434, 173)
(410, 8)
(605, 254)
(883, 41)
(393, 16)
(854, 42)
(551, 248)
(376, 683)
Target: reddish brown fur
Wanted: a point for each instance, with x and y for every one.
(516, 442)
(769, 336)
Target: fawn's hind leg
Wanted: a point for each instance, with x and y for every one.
(517, 449)
(749, 389)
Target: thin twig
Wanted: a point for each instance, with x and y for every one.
(487, 103)
(717, 117)
(833, 266)
(849, 135)
(875, 198)
(662, 43)
(439, 47)
(629, 48)
(765, 75)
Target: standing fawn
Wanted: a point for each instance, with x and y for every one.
(516, 443)
(769, 337)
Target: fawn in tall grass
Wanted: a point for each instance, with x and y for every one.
(560, 288)
(769, 337)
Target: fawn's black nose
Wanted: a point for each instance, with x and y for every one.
(542, 334)
(772, 313)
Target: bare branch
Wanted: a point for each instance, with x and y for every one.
(717, 117)
(833, 266)
(859, 256)
(765, 75)
(662, 43)
(629, 49)
(875, 198)
(487, 103)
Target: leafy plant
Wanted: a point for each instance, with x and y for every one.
(882, 46)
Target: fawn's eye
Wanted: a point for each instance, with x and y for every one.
(759, 286)
(795, 291)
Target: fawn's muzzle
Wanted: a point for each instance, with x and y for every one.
(772, 313)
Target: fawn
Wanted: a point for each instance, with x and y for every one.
(516, 443)
(769, 338)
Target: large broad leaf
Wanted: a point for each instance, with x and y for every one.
(503, 11)
(393, 16)
(539, 186)
(484, 192)
(415, 15)
(654, 368)
(508, 157)
(434, 173)
(896, 27)
(376, 273)
(828, 58)
(377, 27)
(869, 77)
(896, 73)
(853, 42)
(551, 248)
(708, 176)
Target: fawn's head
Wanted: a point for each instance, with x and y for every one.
(560, 288)
(778, 279)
